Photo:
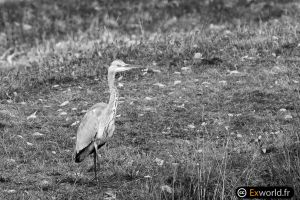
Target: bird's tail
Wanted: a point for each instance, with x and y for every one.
(83, 153)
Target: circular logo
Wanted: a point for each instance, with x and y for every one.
(241, 192)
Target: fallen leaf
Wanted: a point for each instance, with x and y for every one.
(288, 116)
(198, 56)
(32, 116)
(199, 150)
(63, 113)
(216, 27)
(227, 33)
(27, 27)
(191, 126)
(159, 162)
(259, 137)
(64, 103)
(10, 160)
(156, 70)
(75, 123)
(166, 188)
(159, 85)
(175, 164)
(44, 184)
(177, 82)
(37, 134)
(148, 108)
(186, 69)
(110, 195)
(206, 83)
(234, 72)
(247, 57)
(223, 82)
(277, 69)
(10, 191)
(148, 98)
(29, 144)
(180, 106)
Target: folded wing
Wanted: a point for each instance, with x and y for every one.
(87, 131)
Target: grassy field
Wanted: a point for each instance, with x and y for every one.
(220, 111)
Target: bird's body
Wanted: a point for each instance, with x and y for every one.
(98, 124)
(87, 131)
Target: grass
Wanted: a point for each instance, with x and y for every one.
(231, 121)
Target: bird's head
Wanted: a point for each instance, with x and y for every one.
(120, 66)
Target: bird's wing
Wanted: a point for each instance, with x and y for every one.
(88, 126)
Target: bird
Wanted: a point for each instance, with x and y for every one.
(98, 124)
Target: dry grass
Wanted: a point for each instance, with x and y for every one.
(231, 121)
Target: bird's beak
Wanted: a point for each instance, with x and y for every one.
(129, 66)
(134, 66)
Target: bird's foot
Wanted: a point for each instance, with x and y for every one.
(96, 179)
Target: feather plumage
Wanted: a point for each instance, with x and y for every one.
(87, 131)
(98, 124)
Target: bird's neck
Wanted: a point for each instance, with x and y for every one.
(114, 95)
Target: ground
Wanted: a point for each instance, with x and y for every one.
(216, 107)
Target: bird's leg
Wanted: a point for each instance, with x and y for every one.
(106, 147)
(95, 160)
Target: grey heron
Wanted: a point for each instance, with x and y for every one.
(98, 124)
